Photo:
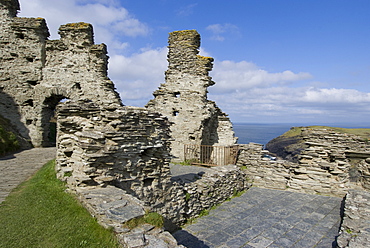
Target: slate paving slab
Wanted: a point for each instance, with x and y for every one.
(267, 218)
(18, 167)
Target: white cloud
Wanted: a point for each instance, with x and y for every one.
(103, 14)
(137, 76)
(187, 10)
(237, 76)
(220, 30)
(289, 104)
(338, 96)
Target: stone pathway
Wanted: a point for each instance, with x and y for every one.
(267, 218)
(18, 167)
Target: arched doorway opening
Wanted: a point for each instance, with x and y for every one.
(49, 119)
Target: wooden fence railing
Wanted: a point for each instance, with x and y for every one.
(211, 155)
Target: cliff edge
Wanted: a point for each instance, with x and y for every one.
(289, 145)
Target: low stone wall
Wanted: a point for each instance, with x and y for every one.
(262, 171)
(187, 199)
(125, 147)
(332, 164)
(355, 229)
(112, 207)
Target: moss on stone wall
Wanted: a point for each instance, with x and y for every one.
(77, 25)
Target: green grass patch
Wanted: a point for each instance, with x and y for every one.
(238, 193)
(362, 132)
(294, 131)
(152, 218)
(39, 213)
(187, 162)
(187, 196)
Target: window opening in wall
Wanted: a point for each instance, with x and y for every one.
(32, 82)
(175, 113)
(20, 35)
(77, 86)
(29, 102)
(176, 94)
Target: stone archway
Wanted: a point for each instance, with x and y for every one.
(48, 119)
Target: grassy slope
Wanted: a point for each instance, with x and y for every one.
(39, 213)
(362, 132)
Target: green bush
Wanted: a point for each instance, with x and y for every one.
(8, 141)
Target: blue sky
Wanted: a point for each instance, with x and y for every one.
(276, 61)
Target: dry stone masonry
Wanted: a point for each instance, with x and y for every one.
(183, 98)
(331, 164)
(355, 229)
(125, 147)
(117, 159)
(36, 73)
(128, 148)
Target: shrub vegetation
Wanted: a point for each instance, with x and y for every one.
(8, 140)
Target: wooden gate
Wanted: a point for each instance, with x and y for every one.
(211, 155)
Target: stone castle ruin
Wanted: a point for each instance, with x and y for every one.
(37, 73)
(183, 98)
(117, 158)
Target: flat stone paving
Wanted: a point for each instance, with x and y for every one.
(267, 218)
(18, 167)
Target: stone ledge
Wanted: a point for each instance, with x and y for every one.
(355, 229)
(113, 207)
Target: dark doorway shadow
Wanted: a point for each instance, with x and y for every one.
(12, 121)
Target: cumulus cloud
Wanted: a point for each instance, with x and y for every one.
(103, 14)
(337, 96)
(137, 76)
(236, 76)
(218, 31)
(290, 104)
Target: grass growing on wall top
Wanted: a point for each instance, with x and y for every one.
(39, 213)
(362, 132)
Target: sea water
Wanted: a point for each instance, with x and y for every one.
(263, 133)
(259, 133)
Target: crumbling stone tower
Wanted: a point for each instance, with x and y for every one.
(183, 98)
(36, 73)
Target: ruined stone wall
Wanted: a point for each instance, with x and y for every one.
(183, 98)
(126, 147)
(262, 171)
(332, 164)
(354, 231)
(36, 73)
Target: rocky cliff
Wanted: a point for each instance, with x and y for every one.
(326, 161)
(289, 145)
